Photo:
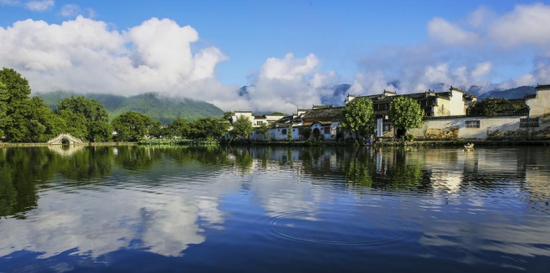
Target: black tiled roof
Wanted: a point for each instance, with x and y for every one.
(324, 113)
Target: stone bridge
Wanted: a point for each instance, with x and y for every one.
(65, 139)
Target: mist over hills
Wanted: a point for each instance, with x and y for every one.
(158, 107)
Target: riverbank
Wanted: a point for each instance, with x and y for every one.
(416, 143)
(85, 144)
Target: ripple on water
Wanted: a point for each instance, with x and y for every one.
(342, 227)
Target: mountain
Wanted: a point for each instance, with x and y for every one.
(514, 93)
(339, 93)
(158, 107)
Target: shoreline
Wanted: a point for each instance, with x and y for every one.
(11, 145)
(416, 143)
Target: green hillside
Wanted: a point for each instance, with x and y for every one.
(159, 108)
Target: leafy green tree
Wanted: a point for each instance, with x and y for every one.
(358, 116)
(155, 129)
(406, 113)
(227, 115)
(131, 126)
(3, 108)
(73, 123)
(209, 128)
(289, 135)
(305, 132)
(491, 107)
(180, 127)
(22, 119)
(264, 131)
(97, 117)
(242, 127)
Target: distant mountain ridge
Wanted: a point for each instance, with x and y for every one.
(513, 93)
(156, 106)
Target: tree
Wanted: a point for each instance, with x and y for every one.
(406, 113)
(305, 132)
(97, 117)
(264, 131)
(22, 119)
(179, 128)
(3, 108)
(155, 129)
(242, 127)
(131, 126)
(358, 116)
(73, 123)
(491, 107)
(289, 135)
(209, 128)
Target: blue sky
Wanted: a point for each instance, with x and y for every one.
(347, 38)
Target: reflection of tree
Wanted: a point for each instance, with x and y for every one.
(207, 156)
(20, 170)
(358, 169)
(137, 158)
(243, 160)
(87, 164)
(404, 174)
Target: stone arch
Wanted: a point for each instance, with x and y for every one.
(65, 139)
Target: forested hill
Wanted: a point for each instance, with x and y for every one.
(159, 108)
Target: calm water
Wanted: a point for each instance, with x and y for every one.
(274, 209)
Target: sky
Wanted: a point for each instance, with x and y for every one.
(290, 53)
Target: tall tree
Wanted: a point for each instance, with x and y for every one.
(264, 131)
(22, 119)
(491, 107)
(131, 126)
(358, 116)
(242, 127)
(289, 135)
(97, 117)
(209, 128)
(406, 113)
(180, 127)
(3, 108)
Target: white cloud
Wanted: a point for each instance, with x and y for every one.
(464, 53)
(40, 5)
(482, 69)
(290, 83)
(525, 25)
(441, 30)
(70, 10)
(85, 55)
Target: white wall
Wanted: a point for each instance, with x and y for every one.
(456, 127)
(277, 133)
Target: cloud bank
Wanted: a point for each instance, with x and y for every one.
(159, 55)
(463, 53)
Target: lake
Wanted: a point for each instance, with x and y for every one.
(274, 209)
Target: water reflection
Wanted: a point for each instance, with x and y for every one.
(488, 208)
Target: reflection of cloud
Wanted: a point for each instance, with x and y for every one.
(97, 223)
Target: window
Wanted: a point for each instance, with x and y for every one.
(473, 124)
(283, 132)
(386, 128)
(327, 130)
(529, 122)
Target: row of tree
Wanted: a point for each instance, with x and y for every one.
(28, 119)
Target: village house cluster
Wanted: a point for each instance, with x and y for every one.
(446, 116)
